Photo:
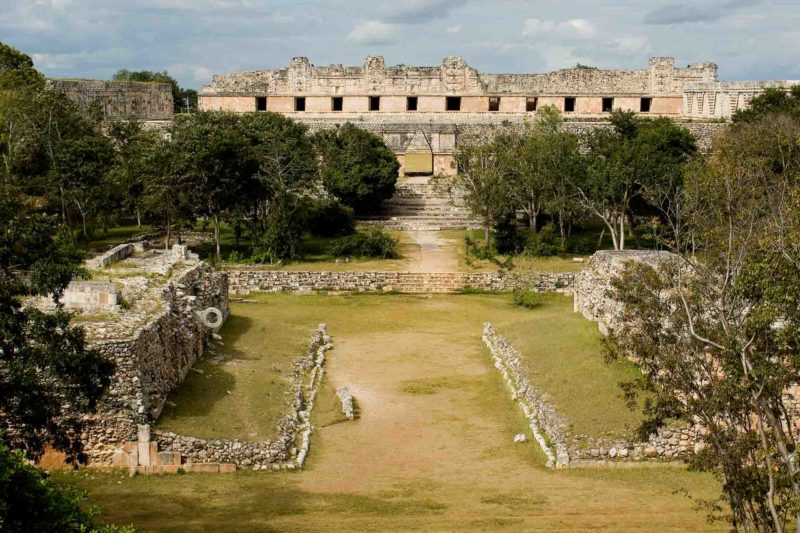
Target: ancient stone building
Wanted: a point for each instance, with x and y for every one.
(120, 99)
(420, 111)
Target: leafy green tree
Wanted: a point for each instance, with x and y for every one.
(184, 99)
(32, 501)
(771, 101)
(46, 363)
(538, 163)
(213, 154)
(718, 335)
(16, 70)
(633, 156)
(357, 167)
(134, 148)
(81, 173)
(480, 173)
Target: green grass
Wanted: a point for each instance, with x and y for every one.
(433, 448)
(243, 396)
(99, 240)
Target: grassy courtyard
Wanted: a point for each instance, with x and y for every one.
(432, 448)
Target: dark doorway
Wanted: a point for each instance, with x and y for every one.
(411, 103)
(645, 104)
(336, 103)
(494, 103)
(261, 103)
(374, 103)
(530, 104)
(569, 104)
(300, 103)
(608, 105)
(453, 103)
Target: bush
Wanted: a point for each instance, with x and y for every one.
(542, 244)
(32, 501)
(584, 246)
(375, 241)
(474, 250)
(329, 218)
(507, 238)
(527, 299)
(281, 240)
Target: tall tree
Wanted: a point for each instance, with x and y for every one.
(480, 174)
(718, 336)
(212, 151)
(357, 167)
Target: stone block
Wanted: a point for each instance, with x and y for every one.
(168, 458)
(119, 458)
(225, 468)
(143, 433)
(204, 468)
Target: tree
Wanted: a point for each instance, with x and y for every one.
(539, 163)
(184, 100)
(633, 156)
(31, 501)
(480, 174)
(49, 377)
(16, 70)
(81, 173)
(134, 149)
(214, 156)
(718, 338)
(771, 101)
(357, 167)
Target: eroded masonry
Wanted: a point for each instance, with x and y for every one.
(421, 111)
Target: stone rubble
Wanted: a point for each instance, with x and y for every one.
(347, 402)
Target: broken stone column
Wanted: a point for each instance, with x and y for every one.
(143, 444)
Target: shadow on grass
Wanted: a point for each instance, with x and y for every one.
(208, 382)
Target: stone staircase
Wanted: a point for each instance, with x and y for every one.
(424, 206)
(439, 282)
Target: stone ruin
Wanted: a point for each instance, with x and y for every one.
(592, 284)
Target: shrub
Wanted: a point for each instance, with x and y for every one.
(329, 218)
(542, 244)
(507, 238)
(281, 240)
(375, 241)
(474, 250)
(584, 246)
(527, 298)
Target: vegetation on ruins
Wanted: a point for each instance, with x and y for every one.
(356, 167)
(717, 332)
(623, 175)
(184, 100)
(374, 241)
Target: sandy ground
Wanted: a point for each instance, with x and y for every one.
(435, 252)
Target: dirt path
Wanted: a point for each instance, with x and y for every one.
(435, 252)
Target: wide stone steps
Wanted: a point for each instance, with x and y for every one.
(422, 206)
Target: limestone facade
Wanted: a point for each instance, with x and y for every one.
(120, 99)
(455, 88)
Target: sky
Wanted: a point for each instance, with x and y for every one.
(194, 39)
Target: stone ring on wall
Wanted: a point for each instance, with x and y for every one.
(211, 317)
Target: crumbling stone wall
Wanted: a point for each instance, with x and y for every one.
(120, 99)
(592, 284)
(550, 428)
(289, 449)
(246, 281)
(152, 360)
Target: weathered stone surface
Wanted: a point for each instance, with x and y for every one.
(120, 99)
(246, 281)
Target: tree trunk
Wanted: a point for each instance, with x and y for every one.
(533, 214)
(486, 230)
(138, 218)
(621, 233)
(216, 234)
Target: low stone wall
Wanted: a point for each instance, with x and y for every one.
(550, 428)
(117, 253)
(290, 448)
(152, 360)
(247, 281)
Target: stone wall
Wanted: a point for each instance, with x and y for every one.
(246, 281)
(120, 99)
(153, 359)
(592, 284)
(550, 429)
(289, 449)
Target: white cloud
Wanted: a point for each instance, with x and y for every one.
(454, 29)
(581, 28)
(631, 44)
(373, 32)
